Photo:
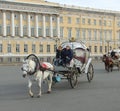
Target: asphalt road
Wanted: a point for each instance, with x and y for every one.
(102, 94)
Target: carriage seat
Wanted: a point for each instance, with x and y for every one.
(44, 66)
(82, 59)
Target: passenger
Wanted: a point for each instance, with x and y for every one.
(67, 55)
(58, 52)
(58, 56)
(113, 54)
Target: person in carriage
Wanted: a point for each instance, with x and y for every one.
(58, 55)
(66, 55)
(63, 56)
(114, 55)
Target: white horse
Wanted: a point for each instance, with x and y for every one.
(32, 71)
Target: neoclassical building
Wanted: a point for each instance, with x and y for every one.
(38, 26)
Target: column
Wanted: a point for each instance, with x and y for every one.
(28, 27)
(58, 26)
(51, 27)
(4, 23)
(21, 25)
(44, 26)
(36, 25)
(12, 24)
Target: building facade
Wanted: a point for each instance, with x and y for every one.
(39, 26)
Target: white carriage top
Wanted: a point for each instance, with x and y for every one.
(74, 45)
(117, 51)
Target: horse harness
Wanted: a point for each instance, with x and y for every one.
(38, 67)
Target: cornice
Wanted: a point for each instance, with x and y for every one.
(28, 8)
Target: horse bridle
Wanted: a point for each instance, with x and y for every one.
(30, 72)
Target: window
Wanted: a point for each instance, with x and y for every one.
(40, 31)
(54, 19)
(16, 30)
(83, 20)
(1, 60)
(55, 48)
(100, 34)
(39, 17)
(33, 48)
(24, 31)
(61, 19)
(41, 48)
(9, 48)
(105, 34)
(47, 18)
(8, 16)
(95, 34)
(118, 23)
(16, 16)
(17, 47)
(32, 17)
(100, 49)
(8, 30)
(100, 22)
(69, 33)
(17, 59)
(90, 48)
(1, 48)
(94, 22)
(48, 48)
(24, 16)
(9, 59)
(54, 32)
(61, 32)
(47, 32)
(25, 48)
(89, 21)
(95, 49)
(105, 48)
(32, 32)
(89, 34)
(104, 22)
(83, 34)
(69, 20)
(0, 29)
(77, 33)
(77, 20)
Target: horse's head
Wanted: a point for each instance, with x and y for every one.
(104, 57)
(28, 67)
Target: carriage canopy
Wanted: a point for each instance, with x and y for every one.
(74, 45)
(79, 49)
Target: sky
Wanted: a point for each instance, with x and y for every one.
(99, 4)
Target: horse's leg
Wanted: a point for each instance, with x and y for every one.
(49, 83)
(30, 90)
(39, 84)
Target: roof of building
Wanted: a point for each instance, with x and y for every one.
(44, 2)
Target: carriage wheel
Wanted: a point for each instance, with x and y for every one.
(90, 73)
(73, 77)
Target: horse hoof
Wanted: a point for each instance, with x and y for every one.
(48, 92)
(31, 96)
(38, 96)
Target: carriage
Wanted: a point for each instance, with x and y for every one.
(38, 71)
(81, 63)
(111, 60)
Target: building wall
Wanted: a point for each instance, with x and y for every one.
(38, 25)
